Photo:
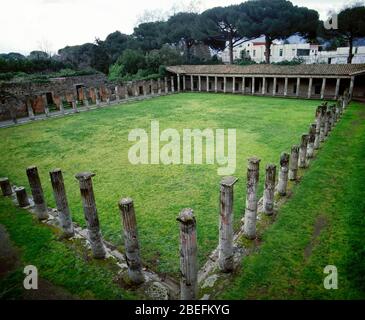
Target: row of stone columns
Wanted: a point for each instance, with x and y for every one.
(263, 89)
(90, 212)
(161, 89)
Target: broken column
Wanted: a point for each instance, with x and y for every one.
(22, 197)
(269, 191)
(61, 107)
(97, 98)
(293, 163)
(74, 106)
(117, 98)
(40, 205)
(13, 115)
(303, 151)
(61, 202)
(188, 255)
(312, 138)
(6, 187)
(283, 174)
(225, 254)
(46, 109)
(91, 214)
(131, 240)
(30, 110)
(249, 227)
(318, 128)
(323, 124)
(107, 94)
(126, 94)
(326, 121)
(86, 99)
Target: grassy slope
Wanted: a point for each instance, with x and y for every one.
(56, 262)
(296, 249)
(97, 141)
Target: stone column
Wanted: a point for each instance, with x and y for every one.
(249, 227)
(136, 91)
(117, 98)
(86, 100)
(172, 84)
(327, 122)
(253, 86)
(40, 205)
(298, 87)
(159, 86)
(318, 128)
(131, 243)
(310, 88)
(322, 135)
(338, 82)
(13, 114)
(188, 255)
(286, 87)
(263, 86)
(274, 86)
(312, 138)
(126, 94)
(144, 89)
(30, 111)
(62, 109)
(234, 85)
(166, 86)
(91, 214)
(215, 84)
(225, 254)
(323, 88)
(243, 85)
(303, 151)
(269, 191)
(63, 209)
(184, 83)
(22, 197)
(46, 109)
(97, 98)
(224, 84)
(192, 83)
(74, 106)
(6, 187)
(200, 83)
(178, 83)
(352, 84)
(283, 174)
(293, 163)
(151, 84)
(207, 83)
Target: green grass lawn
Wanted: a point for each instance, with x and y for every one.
(322, 224)
(63, 264)
(97, 141)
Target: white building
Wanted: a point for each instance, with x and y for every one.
(281, 52)
(340, 56)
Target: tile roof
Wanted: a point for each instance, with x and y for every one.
(270, 69)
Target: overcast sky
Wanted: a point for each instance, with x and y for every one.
(28, 25)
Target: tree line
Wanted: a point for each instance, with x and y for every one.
(189, 37)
